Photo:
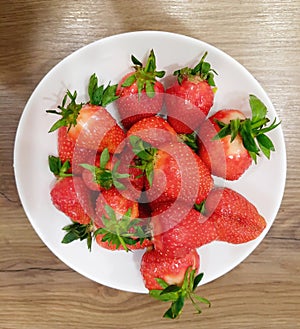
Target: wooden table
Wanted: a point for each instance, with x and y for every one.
(37, 290)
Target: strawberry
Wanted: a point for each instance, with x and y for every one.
(140, 94)
(90, 125)
(71, 196)
(134, 183)
(156, 266)
(104, 174)
(154, 130)
(235, 218)
(118, 221)
(173, 172)
(177, 229)
(67, 150)
(172, 279)
(229, 141)
(190, 98)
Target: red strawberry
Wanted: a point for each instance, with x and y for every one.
(115, 200)
(190, 98)
(140, 94)
(134, 183)
(90, 125)
(177, 229)
(153, 130)
(225, 158)
(118, 221)
(71, 196)
(172, 270)
(236, 219)
(229, 141)
(172, 279)
(173, 172)
(66, 147)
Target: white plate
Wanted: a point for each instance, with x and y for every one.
(109, 58)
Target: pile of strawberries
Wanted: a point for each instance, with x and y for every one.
(145, 181)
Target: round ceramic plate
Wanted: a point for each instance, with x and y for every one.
(110, 59)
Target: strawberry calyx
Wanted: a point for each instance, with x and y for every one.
(202, 71)
(77, 231)
(69, 112)
(144, 76)
(252, 131)
(145, 156)
(104, 177)
(99, 95)
(123, 231)
(190, 140)
(59, 168)
(178, 294)
(200, 207)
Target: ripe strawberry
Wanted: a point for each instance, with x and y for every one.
(90, 126)
(157, 266)
(235, 218)
(173, 172)
(66, 151)
(71, 196)
(190, 98)
(229, 141)
(140, 94)
(118, 221)
(134, 183)
(172, 279)
(103, 174)
(153, 130)
(177, 229)
(225, 158)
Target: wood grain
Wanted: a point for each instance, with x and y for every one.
(37, 291)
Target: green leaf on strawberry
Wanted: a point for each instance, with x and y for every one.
(144, 76)
(190, 140)
(104, 177)
(251, 130)
(145, 153)
(100, 95)
(202, 70)
(77, 231)
(123, 231)
(59, 168)
(178, 294)
(200, 207)
(68, 113)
